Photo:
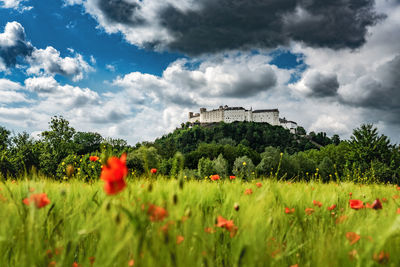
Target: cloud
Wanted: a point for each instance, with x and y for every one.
(48, 61)
(363, 82)
(234, 76)
(317, 84)
(208, 26)
(10, 92)
(15, 4)
(41, 84)
(13, 44)
(14, 48)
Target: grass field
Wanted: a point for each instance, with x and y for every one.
(82, 226)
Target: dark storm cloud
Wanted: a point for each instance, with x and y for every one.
(322, 85)
(332, 23)
(380, 90)
(13, 44)
(250, 85)
(120, 11)
(244, 24)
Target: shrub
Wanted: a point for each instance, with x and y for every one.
(68, 167)
(177, 164)
(206, 167)
(221, 165)
(243, 168)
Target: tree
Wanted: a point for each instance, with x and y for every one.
(205, 168)
(177, 164)
(87, 142)
(366, 145)
(57, 144)
(221, 165)
(243, 167)
(335, 139)
(24, 152)
(4, 138)
(301, 131)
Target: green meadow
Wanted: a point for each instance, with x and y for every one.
(82, 226)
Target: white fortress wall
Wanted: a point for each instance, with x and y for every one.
(232, 114)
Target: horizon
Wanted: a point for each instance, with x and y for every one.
(134, 69)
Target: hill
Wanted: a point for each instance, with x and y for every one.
(256, 136)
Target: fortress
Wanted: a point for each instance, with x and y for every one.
(231, 114)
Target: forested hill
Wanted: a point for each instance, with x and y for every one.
(255, 135)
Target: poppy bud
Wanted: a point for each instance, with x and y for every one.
(181, 183)
(70, 170)
(118, 218)
(175, 199)
(236, 206)
(108, 206)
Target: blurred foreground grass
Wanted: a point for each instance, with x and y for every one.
(83, 225)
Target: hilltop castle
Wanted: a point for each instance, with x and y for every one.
(231, 114)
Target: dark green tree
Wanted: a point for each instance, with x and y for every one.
(366, 145)
(4, 138)
(57, 144)
(87, 142)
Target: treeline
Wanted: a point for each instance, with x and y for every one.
(245, 149)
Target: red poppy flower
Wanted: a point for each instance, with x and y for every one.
(356, 204)
(382, 257)
(75, 264)
(289, 211)
(215, 177)
(94, 158)
(258, 184)
(131, 263)
(153, 171)
(332, 207)
(40, 200)
(352, 237)
(156, 213)
(376, 205)
(228, 225)
(232, 177)
(248, 191)
(317, 203)
(398, 210)
(309, 211)
(384, 199)
(179, 239)
(113, 175)
(350, 194)
(92, 260)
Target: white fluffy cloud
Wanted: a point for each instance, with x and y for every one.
(49, 61)
(234, 76)
(14, 48)
(10, 92)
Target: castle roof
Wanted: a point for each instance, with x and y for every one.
(234, 108)
(265, 110)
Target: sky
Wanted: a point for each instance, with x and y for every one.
(133, 69)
